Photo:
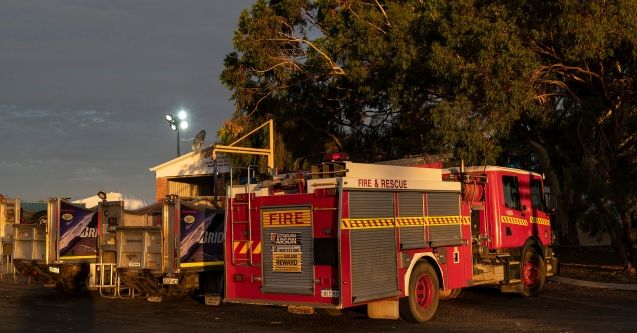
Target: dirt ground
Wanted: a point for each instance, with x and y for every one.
(559, 308)
(599, 264)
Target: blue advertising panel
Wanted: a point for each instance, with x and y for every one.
(201, 236)
(78, 232)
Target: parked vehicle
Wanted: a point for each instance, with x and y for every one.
(171, 248)
(393, 238)
(58, 249)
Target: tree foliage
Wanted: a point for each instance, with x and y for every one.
(548, 84)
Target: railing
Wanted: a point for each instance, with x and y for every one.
(6, 261)
(105, 279)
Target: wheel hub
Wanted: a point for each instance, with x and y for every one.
(424, 291)
(531, 274)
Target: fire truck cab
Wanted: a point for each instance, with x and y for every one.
(510, 227)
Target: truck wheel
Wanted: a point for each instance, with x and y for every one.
(69, 288)
(533, 273)
(422, 302)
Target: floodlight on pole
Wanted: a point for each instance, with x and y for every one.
(176, 123)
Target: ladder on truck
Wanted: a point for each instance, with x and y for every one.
(239, 243)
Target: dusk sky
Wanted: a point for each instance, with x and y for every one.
(85, 85)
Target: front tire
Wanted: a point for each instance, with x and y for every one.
(533, 273)
(422, 302)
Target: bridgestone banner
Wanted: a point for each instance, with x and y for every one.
(201, 235)
(78, 231)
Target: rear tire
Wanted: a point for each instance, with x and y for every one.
(533, 274)
(422, 302)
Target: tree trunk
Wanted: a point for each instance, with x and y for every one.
(615, 234)
(566, 233)
(631, 247)
(620, 250)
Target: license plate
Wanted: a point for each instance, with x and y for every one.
(55, 270)
(134, 264)
(171, 280)
(329, 293)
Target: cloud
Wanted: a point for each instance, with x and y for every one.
(84, 86)
(90, 175)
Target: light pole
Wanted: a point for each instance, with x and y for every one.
(177, 123)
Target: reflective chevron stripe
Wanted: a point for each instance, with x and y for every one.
(513, 220)
(371, 223)
(539, 220)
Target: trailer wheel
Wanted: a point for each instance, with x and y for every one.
(74, 280)
(422, 302)
(533, 273)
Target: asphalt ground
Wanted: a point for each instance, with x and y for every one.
(560, 308)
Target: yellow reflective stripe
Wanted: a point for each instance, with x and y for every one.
(201, 264)
(78, 257)
(443, 220)
(513, 220)
(244, 249)
(410, 221)
(539, 220)
(367, 223)
(419, 221)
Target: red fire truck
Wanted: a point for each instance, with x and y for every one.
(393, 238)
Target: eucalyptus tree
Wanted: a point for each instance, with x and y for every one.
(548, 83)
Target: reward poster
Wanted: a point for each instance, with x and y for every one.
(287, 255)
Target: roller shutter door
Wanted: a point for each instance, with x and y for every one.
(275, 279)
(411, 204)
(373, 250)
(444, 204)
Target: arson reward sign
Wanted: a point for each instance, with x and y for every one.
(286, 252)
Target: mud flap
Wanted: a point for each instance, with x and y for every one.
(512, 288)
(212, 299)
(300, 309)
(552, 266)
(383, 309)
